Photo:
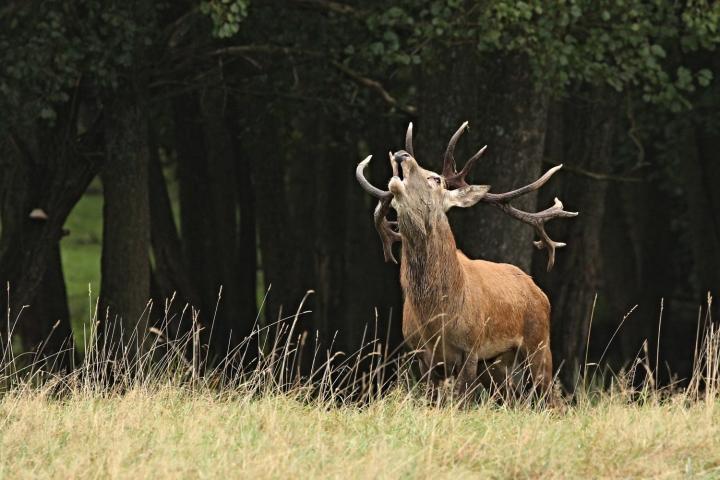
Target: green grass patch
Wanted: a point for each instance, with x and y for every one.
(81, 252)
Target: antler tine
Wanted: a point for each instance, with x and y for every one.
(507, 196)
(538, 219)
(394, 164)
(367, 186)
(449, 166)
(556, 211)
(384, 227)
(470, 163)
(409, 140)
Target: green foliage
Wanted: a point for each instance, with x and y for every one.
(626, 44)
(48, 51)
(226, 15)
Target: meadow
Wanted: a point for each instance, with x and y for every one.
(172, 432)
(167, 414)
(167, 418)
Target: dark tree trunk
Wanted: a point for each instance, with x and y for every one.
(326, 231)
(622, 252)
(372, 287)
(210, 209)
(247, 262)
(283, 214)
(194, 190)
(170, 273)
(46, 328)
(650, 228)
(507, 113)
(221, 239)
(587, 131)
(125, 263)
(701, 177)
(52, 179)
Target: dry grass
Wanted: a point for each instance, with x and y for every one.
(172, 418)
(172, 433)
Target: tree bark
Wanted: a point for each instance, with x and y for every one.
(221, 257)
(46, 327)
(372, 300)
(170, 273)
(701, 177)
(283, 212)
(587, 131)
(44, 174)
(216, 225)
(508, 114)
(125, 263)
(247, 262)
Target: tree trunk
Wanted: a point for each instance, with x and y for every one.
(247, 262)
(284, 207)
(125, 264)
(51, 179)
(508, 114)
(371, 287)
(587, 131)
(701, 177)
(46, 328)
(217, 216)
(170, 273)
(221, 256)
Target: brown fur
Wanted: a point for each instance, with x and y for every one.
(459, 311)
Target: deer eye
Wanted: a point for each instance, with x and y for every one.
(435, 179)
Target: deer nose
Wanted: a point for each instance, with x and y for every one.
(400, 156)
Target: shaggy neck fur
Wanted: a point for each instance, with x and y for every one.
(431, 276)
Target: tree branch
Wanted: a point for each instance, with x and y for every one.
(603, 177)
(374, 85)
(335, 7)
(242, 50)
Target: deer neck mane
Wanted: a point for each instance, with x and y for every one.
(431, 276)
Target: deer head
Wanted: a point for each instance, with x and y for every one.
(421, 197)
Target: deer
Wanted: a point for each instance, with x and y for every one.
(459, 312)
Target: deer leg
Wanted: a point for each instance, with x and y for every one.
(540, 364)
(496, 374)
(425, 365)
(468, 373)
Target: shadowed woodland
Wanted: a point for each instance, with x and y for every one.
(225, 136)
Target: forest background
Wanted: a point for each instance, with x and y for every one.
(160, 149)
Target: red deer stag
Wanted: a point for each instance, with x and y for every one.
(459, 312)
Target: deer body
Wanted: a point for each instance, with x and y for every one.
(460, 312)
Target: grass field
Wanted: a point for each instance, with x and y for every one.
(160, 418)
(170, 422)
(173, 433)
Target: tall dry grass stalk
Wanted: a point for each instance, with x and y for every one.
(278, 358)
(153, 404)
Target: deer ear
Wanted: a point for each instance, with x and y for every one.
(464, 197)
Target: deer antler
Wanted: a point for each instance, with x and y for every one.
(537, 220)
(453, 178)
(408, 140)
(384, 227)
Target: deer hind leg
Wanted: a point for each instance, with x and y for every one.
(539, 360)
(496, 374)
(467, 375)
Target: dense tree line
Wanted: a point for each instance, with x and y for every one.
(264, 109)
